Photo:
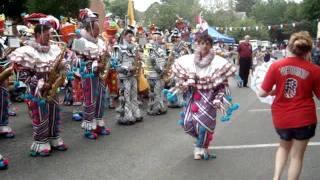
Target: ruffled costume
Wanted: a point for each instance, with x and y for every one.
(32, 66)
(204, 85)
(89, 50)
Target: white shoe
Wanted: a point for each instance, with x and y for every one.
(197, 153)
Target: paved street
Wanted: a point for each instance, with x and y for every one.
(156, 149)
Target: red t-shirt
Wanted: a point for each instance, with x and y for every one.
(245, 50)
(296, 80)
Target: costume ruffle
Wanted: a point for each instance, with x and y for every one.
(187, 73)
(90, 49)
(29, 57)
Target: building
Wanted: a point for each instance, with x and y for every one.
(216, 5)
(99, 7)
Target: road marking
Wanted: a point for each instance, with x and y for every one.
(263, 110)
(259, 110)
(256, 146)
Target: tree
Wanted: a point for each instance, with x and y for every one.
(311, 12)
(118, 8)
(270, 12)
(276, 12)
(57, 7)
(311, 9)
(245, 5)
(13, 8)
(239, 33)
(165, 14)
(220, 18)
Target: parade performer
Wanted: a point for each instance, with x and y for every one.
(4, 163)
(179, 49)
(39, 64)
(5, 72)
(93, 54)
(4, 128)
(154, 69)
(184, 27)
(67, 31)
(128, 56)
(202, 77)
(110, 35)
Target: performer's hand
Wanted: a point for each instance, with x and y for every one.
(46, 86)
(133, 68)
(183, 88)
(101, 66)
(138, 55)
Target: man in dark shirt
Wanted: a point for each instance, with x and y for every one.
(245, 59)
(315, 53)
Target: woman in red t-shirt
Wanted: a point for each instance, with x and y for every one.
(293, 81)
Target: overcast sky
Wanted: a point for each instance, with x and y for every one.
(142, 5)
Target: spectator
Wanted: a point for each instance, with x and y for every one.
(267, 55)
(315, 54)
(245, 59)
(293, 110)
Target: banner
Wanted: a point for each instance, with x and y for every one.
(267, 27)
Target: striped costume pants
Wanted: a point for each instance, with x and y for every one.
(4, 100)
(94, 99)
(45, 120)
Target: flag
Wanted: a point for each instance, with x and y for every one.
(202, 23)
(130, 13)
(199, 19)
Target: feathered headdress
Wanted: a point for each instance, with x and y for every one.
(2, 20)
(39, 18)
(86, 15)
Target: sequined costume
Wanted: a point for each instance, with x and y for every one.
(180, 48)
(129, 111)
(154, 69)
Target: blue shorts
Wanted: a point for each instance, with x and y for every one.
(301, 133)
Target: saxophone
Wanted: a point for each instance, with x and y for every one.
(7, 72)
(104, 62)
(142, 82)
(137, 62)
(182, 50)
(55, 78)
(167, 70)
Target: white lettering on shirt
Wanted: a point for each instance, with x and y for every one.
(293, 70)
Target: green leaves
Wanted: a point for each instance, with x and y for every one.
(57, 7)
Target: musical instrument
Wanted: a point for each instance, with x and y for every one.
(142, 82)
(155, 59)
(167, 69)
(182, 50)
(5, 74)
(5, 71)
(55, 78)
(104, 64)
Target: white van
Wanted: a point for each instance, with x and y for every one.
(254, 43)
(266, 44)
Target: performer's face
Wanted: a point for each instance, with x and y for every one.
(95, 30)
(204, 48)
(128, 37)
(44, 38)
(157, 38)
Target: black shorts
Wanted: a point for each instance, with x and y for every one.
(301, 133)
